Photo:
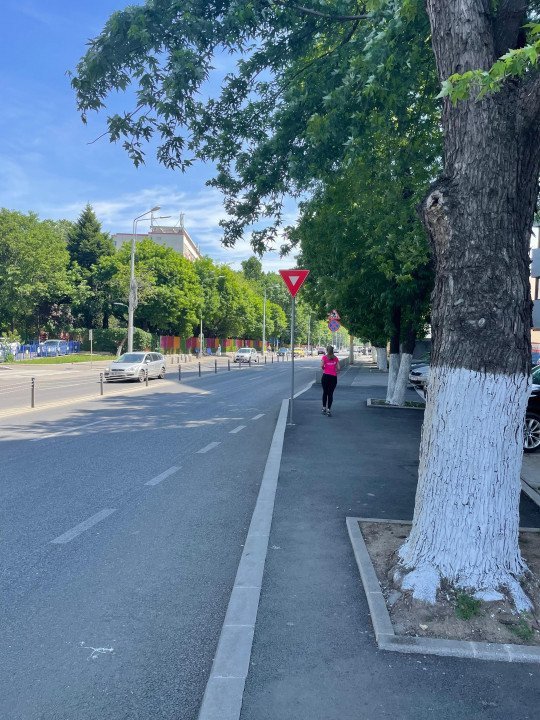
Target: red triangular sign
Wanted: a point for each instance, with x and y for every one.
(294, 279)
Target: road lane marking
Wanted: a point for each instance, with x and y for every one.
(208, 447)
(256, 417)
(69, 430)
(166, 474)
(81, 527)
(237, 429)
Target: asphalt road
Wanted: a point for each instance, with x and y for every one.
(122, 526)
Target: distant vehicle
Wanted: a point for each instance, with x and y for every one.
(320, 351)
(299, 352)
(246, 354)
(135, 365)
(53, 348)
(283, 351)
(419, 376)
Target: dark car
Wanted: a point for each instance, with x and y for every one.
(532, 417)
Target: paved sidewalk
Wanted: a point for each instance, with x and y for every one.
(314, 655)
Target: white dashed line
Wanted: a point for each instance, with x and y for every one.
(256, 417)
(236, 429)
(81, 527)
(208, 447)
(166, 474)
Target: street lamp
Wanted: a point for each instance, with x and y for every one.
(264, 319)
(132, 281)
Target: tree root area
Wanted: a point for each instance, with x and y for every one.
(456, 614)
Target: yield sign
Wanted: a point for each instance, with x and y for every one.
(294, 279)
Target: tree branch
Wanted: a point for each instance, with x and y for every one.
(508, 29)
(319, 13)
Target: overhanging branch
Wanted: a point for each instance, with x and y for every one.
(320, 14)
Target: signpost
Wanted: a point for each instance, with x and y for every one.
(293, 279)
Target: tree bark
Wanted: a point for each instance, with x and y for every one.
(394, 353)
(382, 362)
(402, 380)
(479, 217)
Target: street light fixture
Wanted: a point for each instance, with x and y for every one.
(201, 336)
(132, 282)
(264, 318)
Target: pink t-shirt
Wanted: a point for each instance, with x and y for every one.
(329, 366)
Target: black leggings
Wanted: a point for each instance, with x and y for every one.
(328, 383)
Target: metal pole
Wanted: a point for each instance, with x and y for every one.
(101, 383)
(292, 364)
(199, 369)
(228, 363)
(179, 373)
(215, 365)
(131, 306)
(309, 335)
(201, 340)
(33, 393)
(146, 378)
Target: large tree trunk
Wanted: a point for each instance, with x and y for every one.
(394, 353)
(382, 361)
(479, 218)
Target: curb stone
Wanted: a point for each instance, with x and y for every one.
(382, 624)
(374, 402)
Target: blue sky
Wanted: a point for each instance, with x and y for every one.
(46, 163)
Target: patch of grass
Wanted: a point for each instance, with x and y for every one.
(522, 630)
(467, 606)
(64, 359)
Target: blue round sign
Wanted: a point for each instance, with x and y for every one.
(333, 325)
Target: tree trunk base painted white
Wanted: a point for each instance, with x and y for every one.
(392, 376)
(402, 380)
(374, 354)
(466, 516)
(381, 359)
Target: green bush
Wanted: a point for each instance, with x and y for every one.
(110, 339)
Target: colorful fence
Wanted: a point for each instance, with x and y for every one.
(173, 343)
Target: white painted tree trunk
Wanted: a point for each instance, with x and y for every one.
(466, 516)
(381, 359)
(374, 354)
(392, 376)
(402, 380)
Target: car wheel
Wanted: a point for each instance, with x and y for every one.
(142, 376)
(162, 373)
(531, 433)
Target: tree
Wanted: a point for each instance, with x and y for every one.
(86, 244)
(35, 279)
(252, 269)
(478, 214)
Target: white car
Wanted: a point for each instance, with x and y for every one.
(418, 377)
(135, 365)
(246, 354)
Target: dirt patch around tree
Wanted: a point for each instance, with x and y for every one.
(456, 615)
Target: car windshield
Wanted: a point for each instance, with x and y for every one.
(130, 358)
(536, 376)
(51, 342)
(244, 350)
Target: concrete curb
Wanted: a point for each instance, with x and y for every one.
(382, 625)
(222, 698)
(530, 492)
(374, 402)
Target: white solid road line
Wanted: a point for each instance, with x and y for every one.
(236, 429)
(166, 474)
(256, 417)
(81, 527)
(69, 430)
(208, 447)
(300, 392)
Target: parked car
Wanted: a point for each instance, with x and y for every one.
(320, 350)
(283, 352)
(299, 352)
(135, 365)
(532, 418)
(418, 376)
(53, 348)
(246, 354)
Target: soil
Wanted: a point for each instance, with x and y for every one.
(493, 622)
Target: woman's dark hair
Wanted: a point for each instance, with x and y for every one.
(330, 351)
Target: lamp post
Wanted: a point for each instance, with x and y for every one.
(132, 282)
(201, 336)
(264, 319)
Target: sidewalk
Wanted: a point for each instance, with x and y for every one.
(314, 656)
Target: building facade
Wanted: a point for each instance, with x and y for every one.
(176, 237)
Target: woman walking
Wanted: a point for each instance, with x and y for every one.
(330, 369)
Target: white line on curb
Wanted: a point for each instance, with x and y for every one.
(68, 430)
(81, 527)
(208, 447)
(256, 417)
(236, 429)
(166, 474)
(304, 389)
(225, 688)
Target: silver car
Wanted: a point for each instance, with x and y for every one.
(135, 365)
(246, 355)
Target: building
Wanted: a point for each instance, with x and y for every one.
(175, 237)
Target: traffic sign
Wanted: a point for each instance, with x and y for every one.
(334, 315)
(294, 279)
(333, 325)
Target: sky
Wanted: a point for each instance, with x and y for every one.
(47, 164)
